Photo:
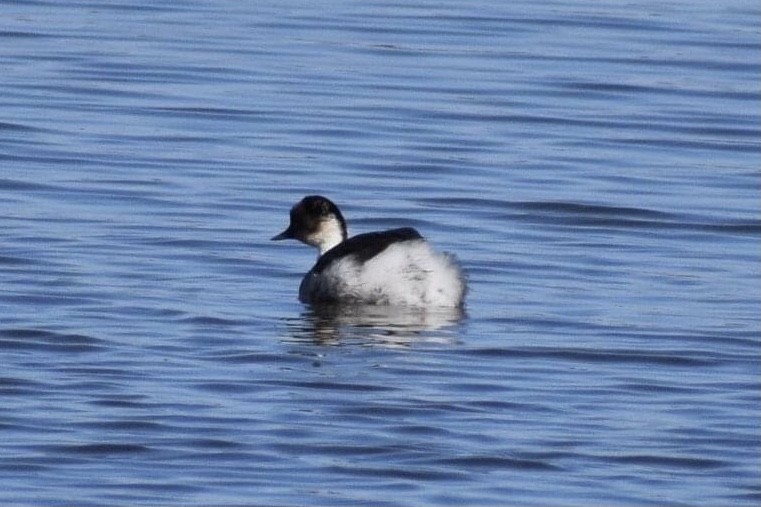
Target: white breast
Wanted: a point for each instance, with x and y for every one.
(407, 274)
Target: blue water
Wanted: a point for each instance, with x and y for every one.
(594, 165)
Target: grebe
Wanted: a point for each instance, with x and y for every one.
(393, 267)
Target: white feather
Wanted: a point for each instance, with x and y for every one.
(327, 236)
(408, 273)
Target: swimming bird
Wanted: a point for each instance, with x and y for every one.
(392, 267)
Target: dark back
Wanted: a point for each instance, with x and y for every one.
(366, 246)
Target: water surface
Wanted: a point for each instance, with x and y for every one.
(595, 167)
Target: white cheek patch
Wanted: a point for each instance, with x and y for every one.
(327, 236)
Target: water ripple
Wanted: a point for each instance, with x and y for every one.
(36, 339)
(593, 165)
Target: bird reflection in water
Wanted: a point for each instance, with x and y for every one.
(376, 325)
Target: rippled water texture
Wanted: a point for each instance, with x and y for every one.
(594, 166)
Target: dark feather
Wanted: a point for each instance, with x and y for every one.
(366, 246)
